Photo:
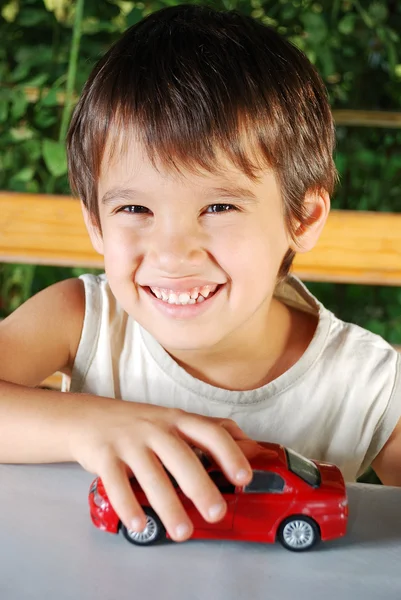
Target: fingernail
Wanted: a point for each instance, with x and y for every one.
(242, 474)
(216, 510)
(137, 525)
(182, 530)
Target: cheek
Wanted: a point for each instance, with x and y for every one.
(120, 251)
(252, 250)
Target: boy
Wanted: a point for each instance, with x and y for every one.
(202, 151)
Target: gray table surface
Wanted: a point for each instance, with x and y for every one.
(49, 549)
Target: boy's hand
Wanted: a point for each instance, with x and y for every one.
(119, 437)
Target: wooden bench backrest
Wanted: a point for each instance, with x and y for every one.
(355, 247)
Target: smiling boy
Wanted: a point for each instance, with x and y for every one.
(201, 149)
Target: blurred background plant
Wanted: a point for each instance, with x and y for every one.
(49, 47)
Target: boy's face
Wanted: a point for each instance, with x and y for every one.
(193, 258)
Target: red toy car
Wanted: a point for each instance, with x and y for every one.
(290, 498)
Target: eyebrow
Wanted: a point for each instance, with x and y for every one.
(117, 194)
(234, 191)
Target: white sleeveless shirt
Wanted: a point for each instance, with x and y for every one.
(339, 403)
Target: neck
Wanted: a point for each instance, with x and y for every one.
(262, 350)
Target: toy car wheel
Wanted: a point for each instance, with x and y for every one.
(298, 533)
(154, 530)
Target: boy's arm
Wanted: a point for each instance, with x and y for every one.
(106, 436)
(39, 338)
(387, 464)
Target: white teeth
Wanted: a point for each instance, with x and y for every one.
(205, 291)
(182, 298)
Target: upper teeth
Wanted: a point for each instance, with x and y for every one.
(197, 294)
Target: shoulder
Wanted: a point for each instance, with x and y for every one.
(342, 349)
(97, 292)
(68, 301)
(341, 341)
(60, 304)
(355, 346)
(42, 335)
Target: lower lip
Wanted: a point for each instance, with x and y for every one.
(184, 311)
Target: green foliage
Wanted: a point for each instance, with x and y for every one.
(355, 45)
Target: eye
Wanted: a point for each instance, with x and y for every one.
(134, 209)
(218, 208)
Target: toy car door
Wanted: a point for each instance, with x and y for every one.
(262, 504)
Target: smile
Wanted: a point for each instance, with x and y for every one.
(195, 295)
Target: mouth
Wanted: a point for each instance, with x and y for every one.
(196, 295)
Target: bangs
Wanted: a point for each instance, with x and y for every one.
(173, 150)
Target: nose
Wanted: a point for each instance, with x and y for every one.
(177, 251)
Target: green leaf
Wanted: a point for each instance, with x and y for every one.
(24, 175)
(44, 117)
(316, 27)
(58, 7)
(32, 149)
(378, 11)
(50, 99)
(19, 134)
(19, 104)
(325, 58)
(20, 72)
(55, 158)
(347, 24)
(10, 10)
(37, 81)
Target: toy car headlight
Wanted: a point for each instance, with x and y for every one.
(344, 503)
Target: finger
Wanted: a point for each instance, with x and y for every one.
(218, 442)
(161, 494)
(183, 463)
(250, 448)
(122, 498)
(233, 429)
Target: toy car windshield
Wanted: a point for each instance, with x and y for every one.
(304, 468)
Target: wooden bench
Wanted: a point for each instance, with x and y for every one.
(355, 247)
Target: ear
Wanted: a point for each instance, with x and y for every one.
(94, 232)
(317, 207)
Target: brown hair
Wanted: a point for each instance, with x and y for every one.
(189, 81)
